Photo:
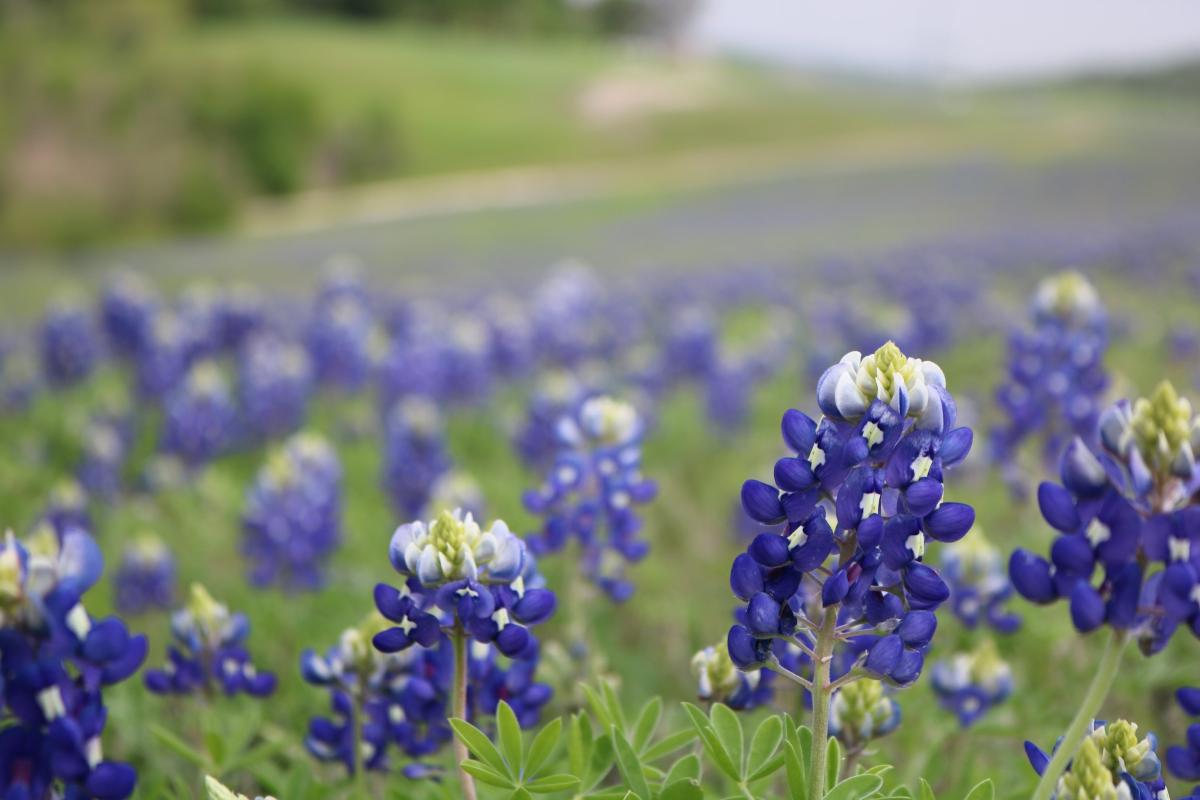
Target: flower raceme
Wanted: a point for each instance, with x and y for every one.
(857, 502)
(462, 577)
(591, 491)
(209, 651)
(1112, 763)
(1126, 522)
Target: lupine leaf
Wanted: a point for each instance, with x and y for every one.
(880, 769)
(553, 783)
(686, 768)
(682, 790)
(857, 788)
(729, 730)
(797, 774)
(647, 721)
(485, 774)
(763, 744)
(544, 745)
(602, 759)
(180, 747)
(926, 790)
(984, 790)
(609, 794)
(520, 793)
(508, 731)
(214, 743)
(771, 766)
(598, 708)
(579, 745)
(669, 744)
(804, 740)
(699, 718)
(629, 765)
(720, 756)
(479, 744)
(833, 762)
(614, 707)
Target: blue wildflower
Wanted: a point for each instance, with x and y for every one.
(972, 683)
(292, 521)
(979, 584)
(145, 578)
(591, 492)
(70, 344)
(209, 652)
(200, 417)
(274, 384)
(1113, 762)
(414, 454)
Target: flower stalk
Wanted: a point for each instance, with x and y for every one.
(461, 666)
(821, 691)
(1106, 674)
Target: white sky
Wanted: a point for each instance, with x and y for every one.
(959, 40)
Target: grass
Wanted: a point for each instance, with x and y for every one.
(682, 602)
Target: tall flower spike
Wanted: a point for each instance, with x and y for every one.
(1055, 376)
(718, 680)
(860, 712)
(591, 492)
(846, 578)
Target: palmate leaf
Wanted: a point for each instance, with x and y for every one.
(796, 770)
(833, 762)
(646, 723)
(858, 787)
(630, 766)
(763, 747)
(729, 730)
(712, 744)
(553, 783)
(682, 790)
(686, 768)
(485, 774)
(669, 744)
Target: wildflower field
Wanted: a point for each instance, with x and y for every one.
(294, 544)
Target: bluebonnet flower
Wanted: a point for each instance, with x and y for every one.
(209, 652)
(362, 683)
(1111, 764)
(718, 680)
(971, 684)
(414, 454)
(690, 343)
(240, 314)
(104, 452)
(274, 384)
(199, 416)
(70, 344)
(1055, 376)
(1184, 759)
(861, 712)
(55, 661)
(536, 440)
(292, 521)
(979, 585)
(66, 509)
(164, 355)
(591, 492)
(145, 578)
(859, 500)
(511, 346)
(480, 582)
(341, 340)
(1126, 510)
(127, 307)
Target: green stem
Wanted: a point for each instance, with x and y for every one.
(1106, 673)
(826, 638)
(461, 665)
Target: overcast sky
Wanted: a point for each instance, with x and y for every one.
(960, 40)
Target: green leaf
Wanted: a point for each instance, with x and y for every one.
(729, 730)
(771, 766)
(647, 721)
(579, 744)
(880, 769)
(614, 707)
(859, 787)
(686, 768)
(485, 774)
(804, 739)
(682, 790)
(833, 762)
(602, 760)
(984, 790)
(763, 744)
(598, 708)
(629, 765)
(520, 793)
(553, 783)
(508, 731)
(479, 744)
(719, 755)
(544, 745)
(181, 747)
(797, 774)
(926, 791)
(669, 744)
(214, 743)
